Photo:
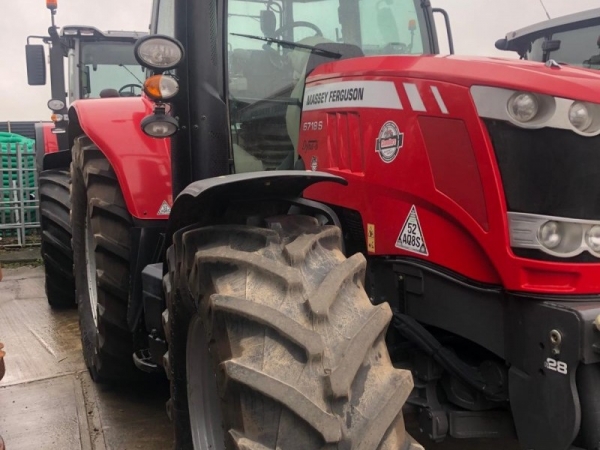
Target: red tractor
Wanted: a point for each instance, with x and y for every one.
(330, 176)
(98, 63)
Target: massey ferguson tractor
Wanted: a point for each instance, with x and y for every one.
(342, 224)
(572, 39)
(100, 64)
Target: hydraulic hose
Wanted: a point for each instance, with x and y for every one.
(425, 341)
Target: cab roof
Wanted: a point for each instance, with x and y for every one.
(570, 21)
(93, 33)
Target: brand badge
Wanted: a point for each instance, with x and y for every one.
(389, 142)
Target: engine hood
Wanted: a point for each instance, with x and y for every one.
(564, 81)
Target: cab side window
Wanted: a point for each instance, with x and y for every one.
(165, 23)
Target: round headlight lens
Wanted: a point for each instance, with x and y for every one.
(523, 107)
(56, 105)
(550, 235)
(593, 238)
(159, 125)
(580, 116)
(158, 52)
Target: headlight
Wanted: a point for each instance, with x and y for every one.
(580, 116)
(159, 125)
(158, 52)
(161, 87)
(550, 234)
(593, 238)
(523, 107)
(56, 105)
(561, 237)
(558, 236)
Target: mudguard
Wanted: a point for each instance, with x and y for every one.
(202, 200)
(45, 142)
(142, 164)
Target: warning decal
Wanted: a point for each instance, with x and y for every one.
(411, 236)
(371, 237)
(164, 209)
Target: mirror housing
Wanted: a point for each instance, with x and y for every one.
(551, 45)
(502, 44)
(35, 56)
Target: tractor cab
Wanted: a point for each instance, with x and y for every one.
(100, 64)
(271, 47)
(572, 39)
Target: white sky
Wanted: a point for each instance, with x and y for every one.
(476, 24)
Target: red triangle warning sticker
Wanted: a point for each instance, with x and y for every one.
(411, 236)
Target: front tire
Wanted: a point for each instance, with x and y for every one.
(55, 227)
(273, 339)
(101, 233)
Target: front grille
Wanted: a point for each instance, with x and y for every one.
(548, 171)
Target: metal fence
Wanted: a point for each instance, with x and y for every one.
(19, 216)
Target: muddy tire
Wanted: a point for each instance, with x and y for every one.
(55, 226)
(293, 351)
(101, 228)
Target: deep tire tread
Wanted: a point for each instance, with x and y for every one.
(276, 299)
(55, 227)
(292, 330)
(108, 348)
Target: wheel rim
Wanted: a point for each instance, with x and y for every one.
(90, 265)
(203, 399)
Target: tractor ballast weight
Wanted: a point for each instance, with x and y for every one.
(464, 189)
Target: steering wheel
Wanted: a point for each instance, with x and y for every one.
(300, 23)
(131, 92)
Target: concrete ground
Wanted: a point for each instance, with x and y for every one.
(48, 401)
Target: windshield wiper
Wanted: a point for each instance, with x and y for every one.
(132, 74)
(292, 45)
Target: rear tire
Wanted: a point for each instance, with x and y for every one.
(295, 348)
(55, 226)
(101, 232)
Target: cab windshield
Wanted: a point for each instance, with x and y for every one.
(269, 45)
(108, 65)
(578, 47)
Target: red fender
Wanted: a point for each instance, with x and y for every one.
(142, 164)
(50, 141)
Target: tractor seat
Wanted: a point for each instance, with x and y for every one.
(109, 93)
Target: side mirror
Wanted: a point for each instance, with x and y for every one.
(551, 46)
(36, 64)
(502, 44)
